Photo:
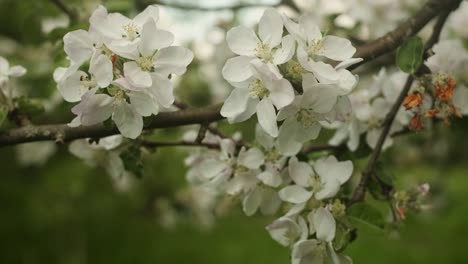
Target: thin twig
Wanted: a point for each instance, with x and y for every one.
(387, 124)
(157, 144)
(368, 172)
(73, 17)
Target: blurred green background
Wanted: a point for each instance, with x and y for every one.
(67, 212)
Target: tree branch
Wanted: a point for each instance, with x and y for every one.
(64, 133)
(411, 27)
(141, 4)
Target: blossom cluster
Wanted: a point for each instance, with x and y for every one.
(370, 105)
(266, 180)
(268, 68)
(120, 68)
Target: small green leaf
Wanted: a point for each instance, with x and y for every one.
(131, 159)
(3, 114)
(362, 214)
(410, 55)
(344, 235)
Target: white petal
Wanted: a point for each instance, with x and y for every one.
(210, 168)
(153, 39)
(304, 249)
(331, 168)
(281, 93)
(252, 201)
(78, 45)
(162, 89)
(312, 31)
(17, 71)
(336, 48)
(249, 111)
(323, 72)
(236, 103)
(266, 115)
(263, 138)
(150, 13)
(329, 189)
(172, 60)
(101, 68)
(270, 28)
(300, 172)
(127, 120)
(71, 88)
(271, 202)
(144, 104)
(237, 69)
(270, 179)
(252, 158)
(242, 41)
(284, 231)
(294, 194)
(96, 109)
(324, 224)
(136, 76)
(309, 132)
(286, 52)
(321, 98)
(287, 143)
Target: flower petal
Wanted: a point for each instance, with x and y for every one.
(336, 48)
(101, 68)
(242, 41)
(266, 115)
(128, 120)
(172, 60)
(252, 201)
(237, 69)
(270, 28)
(252, 158)
(294, 194)
(144, 104)
(153, 39)
(300, 172)
(136, 76)
(236, 103)
(325, 224)
(281, 93)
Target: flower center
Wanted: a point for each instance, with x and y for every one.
(131, 31)
(314, 46)
(86, 82)
(374, 122)
(272, 155)
(257, 89)
(263, 52)
(146, 63)
(316, 183)
(306, 117)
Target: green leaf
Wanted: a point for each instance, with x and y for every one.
(29, 106)
(131, 159)
(343, 236)
(362, 214)
(3, 114)
(410, 55)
